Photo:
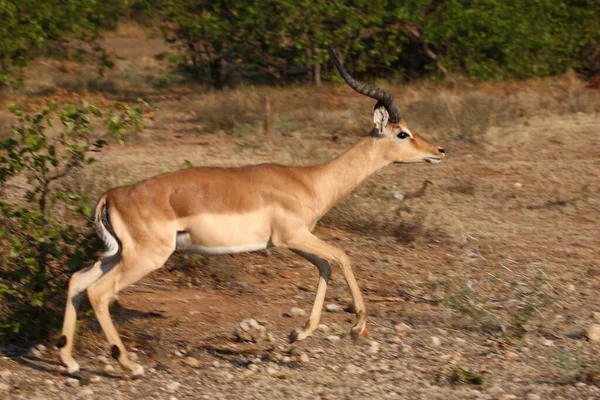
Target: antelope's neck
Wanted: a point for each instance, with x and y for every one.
(333, 180)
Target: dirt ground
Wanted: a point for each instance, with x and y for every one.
(501, 240)
(505, 235)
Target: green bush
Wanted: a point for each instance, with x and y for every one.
(483, 39)
(46, 233)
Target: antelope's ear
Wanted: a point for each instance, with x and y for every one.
(380, 118)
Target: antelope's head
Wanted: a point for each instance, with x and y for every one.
(398, 142)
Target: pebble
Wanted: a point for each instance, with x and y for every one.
(304, 358)
(171, 387)
(253, 367)
(436, 341)
(216, 364)
(297, 312)
(271, 371)
(518, 185)
(103, 359)
(323, 328)
(374, 347)
(507, 397)
(95, 378)
(402, 330)
(593, 333)
(511, 355)
(353, 369)
(548, 343)
(533, 396)
(192, 362)
(5, 374)
(109, 369)
(596, 316)
(332, 307)
(460, 341)
(249, 330)
(72, 382)
(86, 391)
(496, 391)
(333, 338)
(49, 382)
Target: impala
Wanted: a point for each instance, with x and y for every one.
(232, 210)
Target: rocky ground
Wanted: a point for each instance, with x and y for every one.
(484, 285)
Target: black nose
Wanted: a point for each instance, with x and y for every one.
(441, 150)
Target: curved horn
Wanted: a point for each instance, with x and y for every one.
(375, 93)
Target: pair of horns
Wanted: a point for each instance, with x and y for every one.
(383, 97)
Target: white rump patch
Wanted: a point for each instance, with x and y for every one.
(184, 243)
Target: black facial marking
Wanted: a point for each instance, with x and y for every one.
(115, 352)
(62, 342)
(375, 133)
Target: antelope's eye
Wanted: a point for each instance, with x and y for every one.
(402, 135)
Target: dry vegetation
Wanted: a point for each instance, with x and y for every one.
(504, 233)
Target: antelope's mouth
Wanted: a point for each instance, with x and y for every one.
(434, 160)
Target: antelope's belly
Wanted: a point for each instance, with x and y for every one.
(224, 233)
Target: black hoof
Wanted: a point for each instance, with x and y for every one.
(293, 336)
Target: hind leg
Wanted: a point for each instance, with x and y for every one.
(129, 271)
(78, 283)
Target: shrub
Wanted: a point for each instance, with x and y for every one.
(46, 233)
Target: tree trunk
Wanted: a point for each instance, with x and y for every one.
(216, 72)
(317, 74)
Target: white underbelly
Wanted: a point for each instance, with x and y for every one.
(184, 244)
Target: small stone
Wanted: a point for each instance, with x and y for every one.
(5, 374)
(95, 378)
(216, 364)
(271, 371)
(333, 338)
(533, 396)
(192, 362)
(249, 330)
(548, 343)
(571, 288)
(132, 356)
(253, 367)
(49, 382)
(402, 330)
(518, 185)
(511, 355)
(171, 387)
(353, 369)
(35, 352)
(507, 397)
(297, 312)
(596, 316)
(460, 341)
(323, 328)
(304, 358)
(286, 359)
(41, 348)
(332, 307)
(593, 333)
(436, 341)
(85, 392)
(109, 369)
(72, 382)
(103, 359)
(496, 391)
(374, 347)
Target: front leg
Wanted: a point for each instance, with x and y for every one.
(306, 242)
(315, 314)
